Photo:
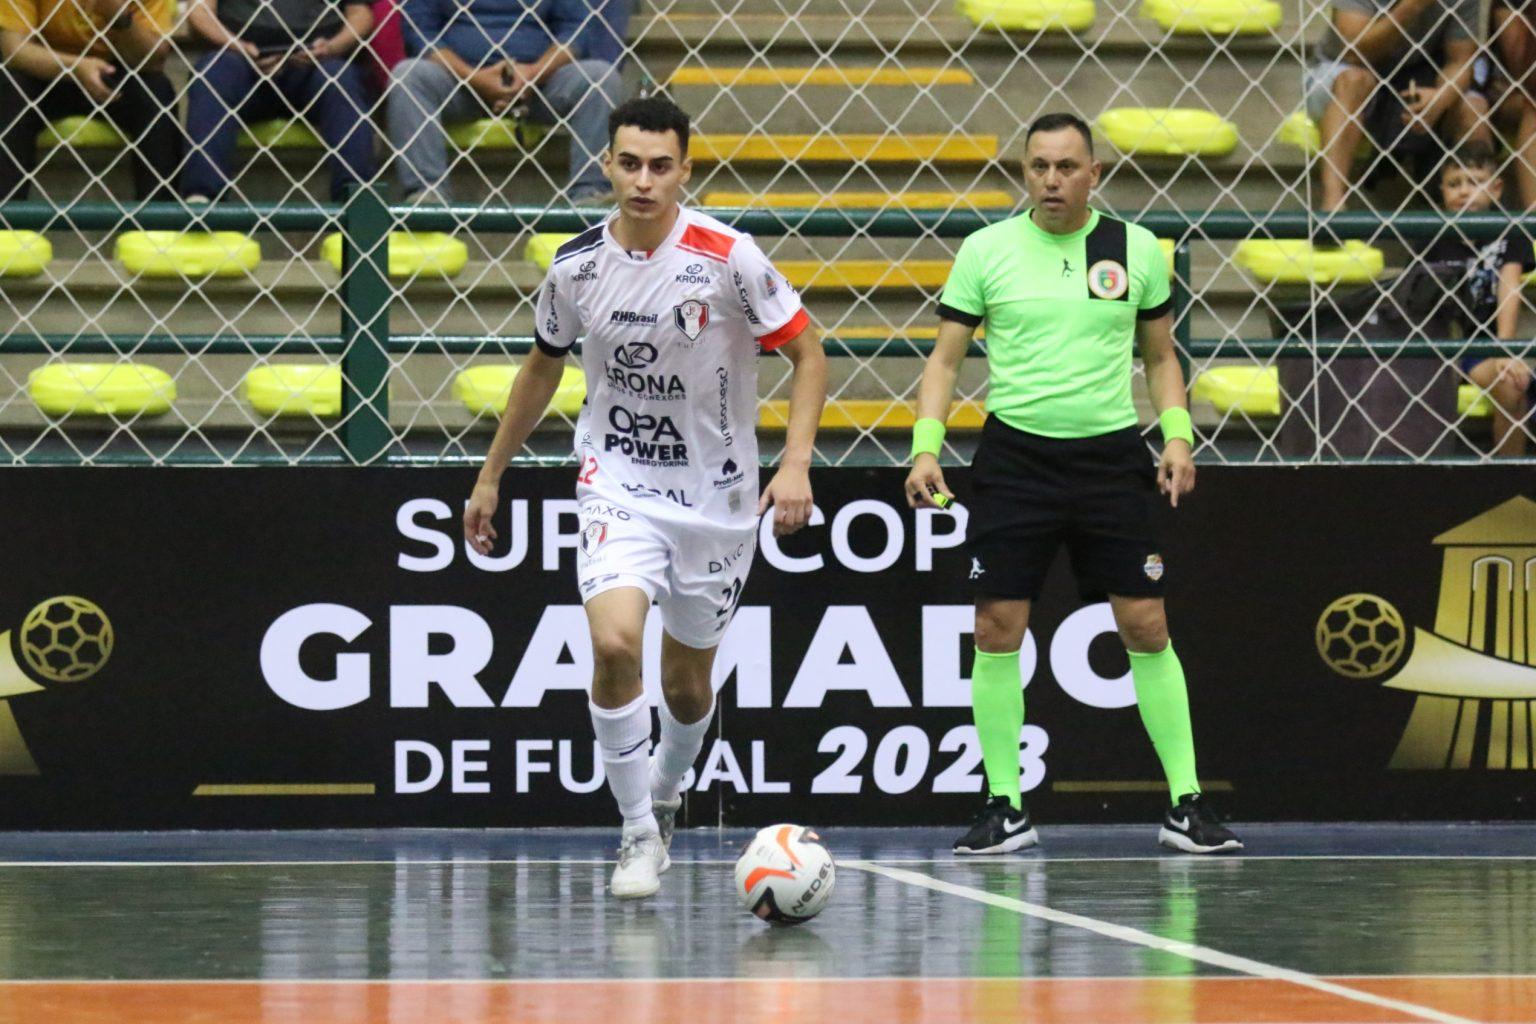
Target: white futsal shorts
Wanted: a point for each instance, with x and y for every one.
(694, 572)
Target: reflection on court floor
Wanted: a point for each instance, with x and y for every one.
(1333, 924)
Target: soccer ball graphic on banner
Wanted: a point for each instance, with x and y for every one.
(785, 875)
(66, 639)
(1361, 636)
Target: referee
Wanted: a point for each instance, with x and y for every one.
(1063, 291)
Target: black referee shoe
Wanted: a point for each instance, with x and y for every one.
(1193, 827)
(998, 828)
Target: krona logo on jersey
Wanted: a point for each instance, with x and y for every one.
(627, 374)
(694, 274)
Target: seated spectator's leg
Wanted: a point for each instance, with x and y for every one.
(334, 98)
(1337, 97)
(1507, 382)
(1517, 117)
(23, 119)
(1514, 41)
(422, 96)
(1467, 120)
(222, 82)
(584, 93)
(144, 110)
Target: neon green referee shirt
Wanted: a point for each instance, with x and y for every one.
(1060, 313)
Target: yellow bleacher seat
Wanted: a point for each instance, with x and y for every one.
(80, 132)
(1250, 390)
(1472, 403)
(1214, 17)
(1030, 15)
(1301, 131)
(101, 389)
(280, 133)
(732, 77)
(843, 148)
(496, 133)
(870, 414)
(295, 389)
(484, 390)
(1168, 131)
(541, 248)
(984, 200)
(1168, 247)
(817, 275)
(411, 254)
(23, 253)
(187, 253)
(1297, 261)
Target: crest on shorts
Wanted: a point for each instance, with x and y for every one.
(1153, 568)
(592, 536)
(691, 318)
(1107, 279)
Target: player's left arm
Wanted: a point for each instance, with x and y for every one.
(789, 492)
(1165, 383)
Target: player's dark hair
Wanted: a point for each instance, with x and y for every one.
(1056, 122)
(650, 114)
(1475, 155)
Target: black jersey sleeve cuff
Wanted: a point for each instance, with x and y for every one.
(547, 348)
(1161, 309)
(959, 316)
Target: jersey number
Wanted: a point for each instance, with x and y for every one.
(588, 469)
(732, 594)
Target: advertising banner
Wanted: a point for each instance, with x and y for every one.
(318, 648)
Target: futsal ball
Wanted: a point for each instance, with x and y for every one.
(1360, 636)
(785, 875)
(66, 639)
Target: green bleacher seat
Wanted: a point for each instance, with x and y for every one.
(411, 254)
(295, 389)
(540, 248)
(1168, 131)
(80, 132)
(1030, 15)
(1297, 261)
(280, 133)
(101, 389)
(187, 253)
(1214, 17)
(23, 253)
(1250, 390)
(484, 389)
(496, 133)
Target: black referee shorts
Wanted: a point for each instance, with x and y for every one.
(1032, 494)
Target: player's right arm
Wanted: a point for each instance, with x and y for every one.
(558, 323)
(962, 307)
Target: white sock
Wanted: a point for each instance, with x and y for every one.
(679, 748)
(624, 735)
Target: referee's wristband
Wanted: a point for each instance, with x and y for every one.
(927, 437)
(1177, 427)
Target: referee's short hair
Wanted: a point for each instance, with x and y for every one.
(650, 114)
(1056, 122)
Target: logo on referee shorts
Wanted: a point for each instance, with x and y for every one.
(1107, 279)
(1153, 568)
(691, 318)
(593, 536)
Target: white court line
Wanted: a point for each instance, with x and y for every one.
(1189, 950)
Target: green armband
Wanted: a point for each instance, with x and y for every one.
(1177, 427)
(927, 436)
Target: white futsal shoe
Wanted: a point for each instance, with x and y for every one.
(642, 859)
(666, 821)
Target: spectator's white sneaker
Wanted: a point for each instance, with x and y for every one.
(642, 859)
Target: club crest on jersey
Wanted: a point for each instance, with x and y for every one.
(1107, 279)
(1153, 568)
(691, 318)
(592, 536)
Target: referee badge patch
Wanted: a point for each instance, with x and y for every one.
(1153, 568)
(1107, 279)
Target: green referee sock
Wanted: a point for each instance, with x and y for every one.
(1163, 701)
(997, 704)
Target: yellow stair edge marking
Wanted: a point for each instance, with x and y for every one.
(286, 789)
(727, 77)
(814, 274)
(863, 200)
(879, 332)
(870, 148)
(870, 413)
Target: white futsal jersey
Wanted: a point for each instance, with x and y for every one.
(669, 344)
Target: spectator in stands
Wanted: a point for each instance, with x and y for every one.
(1513, 38)
(553, 59)
(1399, 69)
(96, 57)
(1488, 300)
(286, 59)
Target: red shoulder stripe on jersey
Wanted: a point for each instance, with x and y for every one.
(705, 242)
(797, 323)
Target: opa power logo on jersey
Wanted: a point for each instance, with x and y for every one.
(629, 373)
(648, 440)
